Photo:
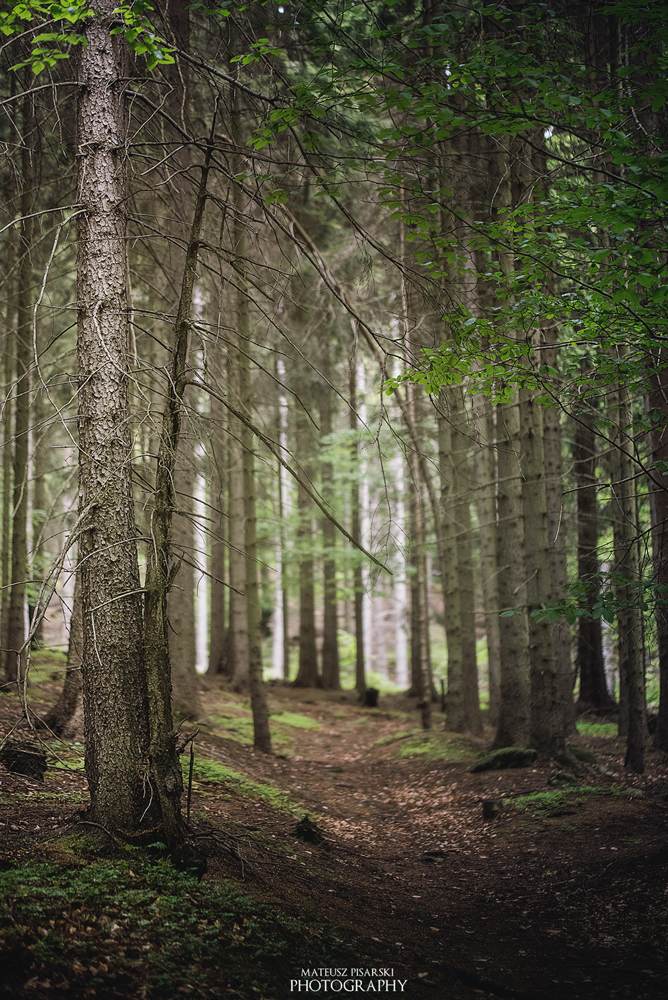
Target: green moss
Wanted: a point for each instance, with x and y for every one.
(118, 926)
(544, 803)
(211, 772)
(295, 720)
(432, 745)
(606, 729)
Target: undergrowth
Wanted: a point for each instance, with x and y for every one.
(607, 729)
(418, 743)
(210, 771)
(544, 803)
(138, 927)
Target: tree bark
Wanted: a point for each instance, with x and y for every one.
(515, 704)
(330, 640)
(547, 722)
(658, 493)
(625, 530)
(186, 702)
(594, 694)
(16, 634)
(355, 531)
(307, 674)
(115, 694)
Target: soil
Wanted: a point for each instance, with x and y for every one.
(569, 903)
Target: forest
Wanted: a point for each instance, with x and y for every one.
(334, 407)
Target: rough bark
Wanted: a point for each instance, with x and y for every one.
(7, 461)
(455, 718)
(115, 695)
(515, 704)
(217, 562)
(547, 721)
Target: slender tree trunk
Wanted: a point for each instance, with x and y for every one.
(625, 529)
(547, 722)
(307, 675)
(181, 598)
(515, 704)
(594, 693)
(16, 635)
(455, 714)
(330, 641)
(556, 525)
(217, 598)
(465, 580)
(7, 459)
(658, 492)
(355, 531)
(485, 483)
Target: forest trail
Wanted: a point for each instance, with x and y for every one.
(560, 897)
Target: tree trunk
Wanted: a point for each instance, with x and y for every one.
(16, 634)
(465, 581)
(625, 529)
(658, 493)
(515, 704)
(186, 701)
(594, 695)
(7, 459)
(307, 675)
(455, 713)
(355, 531)
(115, 695)
(485, 464)
(217, 562)
(556, 526)
(330, 640)
(547, 723)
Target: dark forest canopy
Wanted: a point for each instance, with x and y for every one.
(344, 322)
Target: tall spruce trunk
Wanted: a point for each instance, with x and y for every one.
(330, 642)
(556, 526)
(455, 714)
(307, 674)
(115, 694)
(7, 457)
(355, 531)
(594, 694)
(633, 711)
(181, 598)
(547, 721)
(515, 705)
(16, 633)
(658, 493)
(485, 465)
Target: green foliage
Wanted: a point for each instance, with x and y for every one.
(112, 924)
(47, 48)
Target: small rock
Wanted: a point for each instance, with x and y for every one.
(491, 808)
(634, 793)
(309, 831)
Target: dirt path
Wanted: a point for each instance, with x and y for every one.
(565, 901)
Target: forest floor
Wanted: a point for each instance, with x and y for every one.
(563, 895)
